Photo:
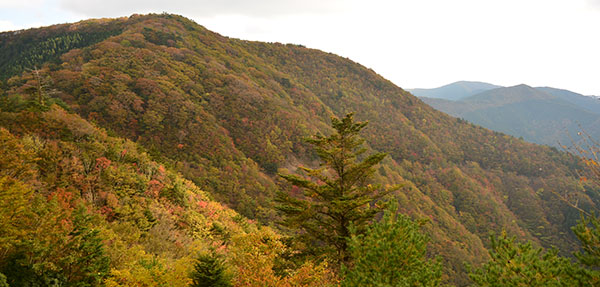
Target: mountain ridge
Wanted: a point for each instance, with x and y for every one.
(454, 91)
(542, 115)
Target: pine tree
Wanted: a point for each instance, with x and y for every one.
(209, 271)
(85, 262)
(392, 252)
(40, 88)
(336, 195)
(588, 232)
(521, 264)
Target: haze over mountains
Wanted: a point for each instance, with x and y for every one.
(172, 136)
(541, 115)
(454, 91)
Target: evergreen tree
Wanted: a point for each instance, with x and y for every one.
(209, 271)
(337, 194)
(392, 252)
(85, 263)
(588, 232)
(54, 258)
(518, 264)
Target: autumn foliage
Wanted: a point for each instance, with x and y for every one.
(169, 139)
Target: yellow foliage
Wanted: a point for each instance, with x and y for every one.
(254, 254)
(14, 202)
(150, 270)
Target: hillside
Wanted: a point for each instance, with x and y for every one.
(81, 207)
(541, 115)
(588, 103)
(228, 115)
(454, 91)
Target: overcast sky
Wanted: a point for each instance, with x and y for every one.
(414, 43)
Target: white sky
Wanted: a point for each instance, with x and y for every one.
(413, 43)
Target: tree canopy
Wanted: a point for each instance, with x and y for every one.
(392, 252)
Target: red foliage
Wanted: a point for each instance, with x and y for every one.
(64, 198)
(154, 187)
(202, 204)
(107, 212)
(102, 163)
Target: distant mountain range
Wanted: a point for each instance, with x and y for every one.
(541, 115)
(454, 91)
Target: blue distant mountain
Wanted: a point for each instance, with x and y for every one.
(454, 91)
(541, 115)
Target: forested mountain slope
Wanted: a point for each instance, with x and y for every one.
(229, 114)
(81, 208)
(590, 103)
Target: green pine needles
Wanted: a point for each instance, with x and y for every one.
(521, 264)
(392, 252)
(588, 233)
(336, 195)
(210, 271)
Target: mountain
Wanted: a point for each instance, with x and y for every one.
(542, 115)
(588, 103)
(454, 91)
(223, 117)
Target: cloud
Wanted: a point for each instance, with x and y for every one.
(202, 8)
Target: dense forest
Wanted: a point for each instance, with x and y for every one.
(149, 151)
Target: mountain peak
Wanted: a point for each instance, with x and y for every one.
(454, 91)
(506, 95)
(524, 88)
(520, 86)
